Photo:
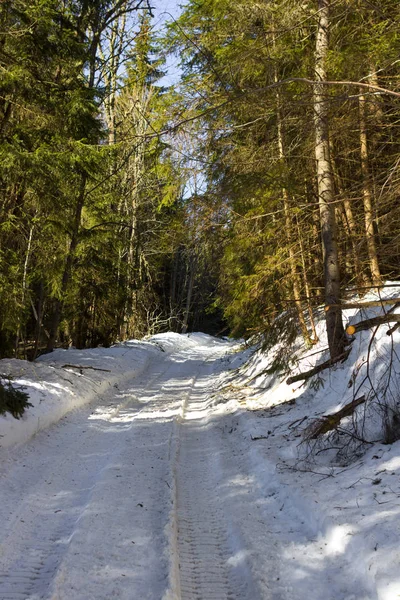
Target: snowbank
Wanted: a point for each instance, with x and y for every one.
(66, 379)
(371, 370)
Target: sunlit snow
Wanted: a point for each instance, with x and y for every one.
(184, 467)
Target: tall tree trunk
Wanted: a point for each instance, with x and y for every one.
(307, 287)
(24, 286)
(367, 196)
(346, 246)
(334, 324)
(314, 257)
(133, 282)
(111, 65)
(135, 188)
(172, 295)
(38, 314)
(189, 295)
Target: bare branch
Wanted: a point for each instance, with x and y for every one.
(329, 363)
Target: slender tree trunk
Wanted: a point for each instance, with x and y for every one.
(110, 67)
(172, 295)
(307, 287)
(188, 296)
(38, 316)
(334, 324)
(367, 196)
(346, 246)
(136, 186)
(362, 279)
(313, 256)
(132, 270)
(375, 102)
(24, 278)
(133, 252)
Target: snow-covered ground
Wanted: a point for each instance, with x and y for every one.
(182, 473)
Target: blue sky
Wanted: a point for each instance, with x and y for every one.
(166, 6)
(163, 11)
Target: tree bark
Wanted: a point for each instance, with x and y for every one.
(38, 314)
(24, 286)
(111, 65)
(189, 295)
(329, 422)
(334, 324)
(307, 288)
(367, 196)
(369, 323)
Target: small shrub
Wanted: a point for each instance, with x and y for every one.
(13, 400)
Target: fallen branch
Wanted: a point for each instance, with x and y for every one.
(297, 422)
(366, 304)
(329, 363)
(369, 323)
(84, 367)
(329, 422)
(393, 329)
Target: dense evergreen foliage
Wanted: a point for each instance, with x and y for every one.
(306, 166)
(91, 201)
(259, 184)
(13, 400)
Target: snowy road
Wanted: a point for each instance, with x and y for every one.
(129, 497)
(153, 491)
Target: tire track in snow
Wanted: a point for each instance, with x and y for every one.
(201, 536)
(39, 540)
(40, 530)
(31, 576)
(205, 569)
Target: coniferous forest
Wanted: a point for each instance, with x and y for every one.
(265, 182)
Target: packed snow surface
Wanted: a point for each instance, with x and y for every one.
(177, 469)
